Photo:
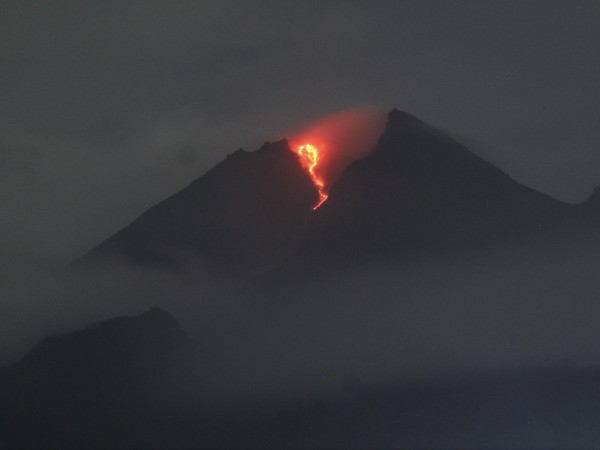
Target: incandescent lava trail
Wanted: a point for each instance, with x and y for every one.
(310, 155)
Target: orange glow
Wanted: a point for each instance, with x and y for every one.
(310, 156)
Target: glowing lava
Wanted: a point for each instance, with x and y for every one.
(310, 156)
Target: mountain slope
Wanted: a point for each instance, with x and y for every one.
(421, 191)
(240, 215)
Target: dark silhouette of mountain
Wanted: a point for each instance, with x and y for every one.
(241, 215)
(418, 192)
(95, 387)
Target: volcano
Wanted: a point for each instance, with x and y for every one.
(418, 192)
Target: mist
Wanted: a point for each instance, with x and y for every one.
(500, 308)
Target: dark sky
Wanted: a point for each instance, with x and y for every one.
(108, 107)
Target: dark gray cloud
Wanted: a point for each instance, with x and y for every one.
(108, 107)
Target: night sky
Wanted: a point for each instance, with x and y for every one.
(109, 107)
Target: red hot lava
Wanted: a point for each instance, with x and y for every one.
(349, 134)
(310, 156)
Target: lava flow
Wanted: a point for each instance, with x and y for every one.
(310, 156)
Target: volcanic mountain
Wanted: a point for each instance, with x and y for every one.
(417, 192)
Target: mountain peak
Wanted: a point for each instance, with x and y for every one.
(401, 122)
(398, 115)
(159, 316)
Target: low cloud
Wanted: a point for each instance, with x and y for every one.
(501, 308)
